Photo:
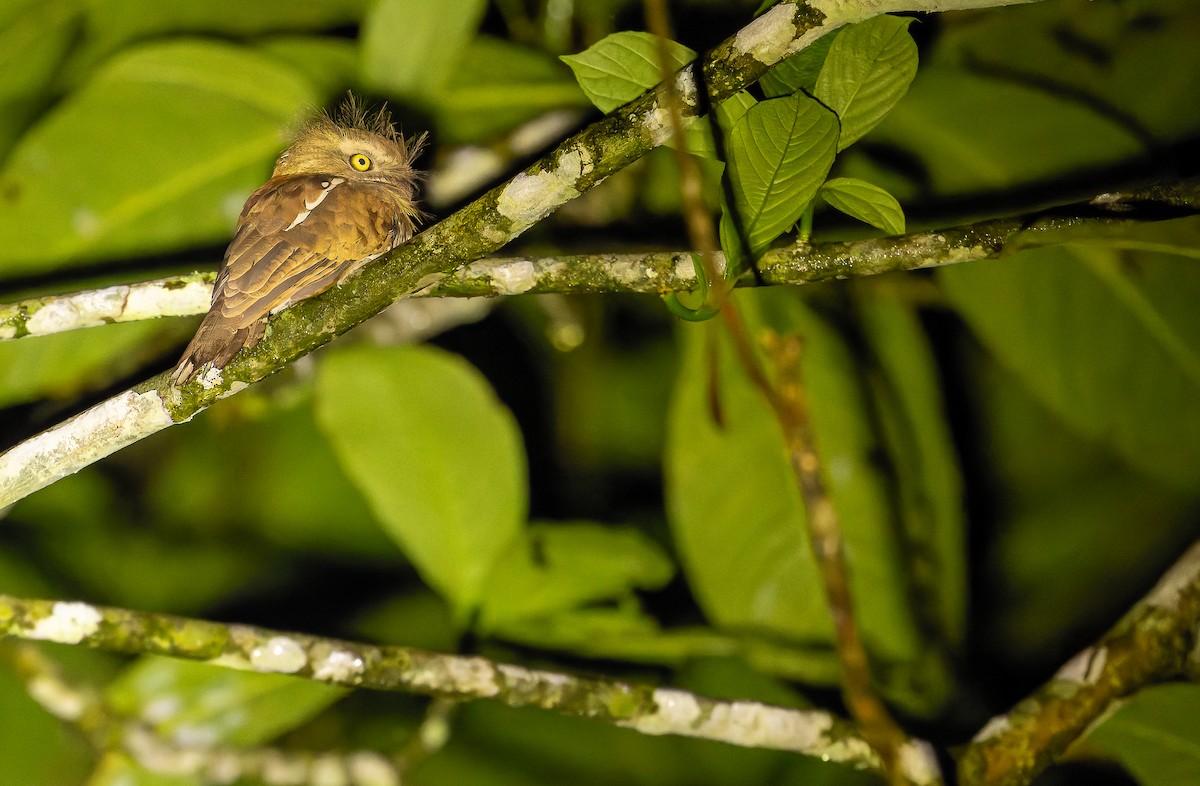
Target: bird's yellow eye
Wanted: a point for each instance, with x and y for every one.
(360, 162)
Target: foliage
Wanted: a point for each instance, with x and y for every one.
(591, 480)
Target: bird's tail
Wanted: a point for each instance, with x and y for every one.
(215, 343)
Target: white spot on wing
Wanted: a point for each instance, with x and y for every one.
(311, 204)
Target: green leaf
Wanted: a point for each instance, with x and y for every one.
(413, 49)
(866, 202)
(621, 66)
(207, 706)
(187, 130)
(798, 72)
(498, 85)
(558, 567)
(421, 433)
(1105, 340)
(1155, 735)
(116, 24)
(297, 488)
(329, 63)
(975, 134)
(779, 154)
(39, 749)
(34, 38)
(867, 71)
(732, 499)
(116, 768)
(915, 426)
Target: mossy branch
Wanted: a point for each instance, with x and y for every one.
(645, 709)
(1106, 218)
(479, 229)
(1156, 641)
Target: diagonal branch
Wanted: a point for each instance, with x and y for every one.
(645, 709)
(1156, 641)
(481, 228)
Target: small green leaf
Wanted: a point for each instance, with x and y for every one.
(211, 706)
(866, 202)
(798, 72)
(421, 433)
(779, 154)
(559, 567)
(413, 49)
(620, 67)
(1155, 735)
(867, 71)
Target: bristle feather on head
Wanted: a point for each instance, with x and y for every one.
(318, 141)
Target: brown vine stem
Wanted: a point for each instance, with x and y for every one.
(787, 400)
(875, 722)
(699, 224)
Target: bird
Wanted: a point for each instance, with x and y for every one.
(342, 194)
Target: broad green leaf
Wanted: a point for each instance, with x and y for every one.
(622, 66)
(798, 72)
(117, 768)
(413, 49)
(498, 85)
(204, 706)
(1155, 735)
(329, 63)
(116, 24)
(867, 71)
(1062, 490)
(39, 750)
(298, 486)
(34, 37)
(421, 433)
(915, 425)
(1113, 67)
(156, 152)
(733, 503)
(975, 133)
(866, 202)
(417, 618)
(779, 154)
(1107, 341)
(558, 567)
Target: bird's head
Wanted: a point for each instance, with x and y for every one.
(354, 144)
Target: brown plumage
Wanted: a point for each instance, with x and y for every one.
(341, 195)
